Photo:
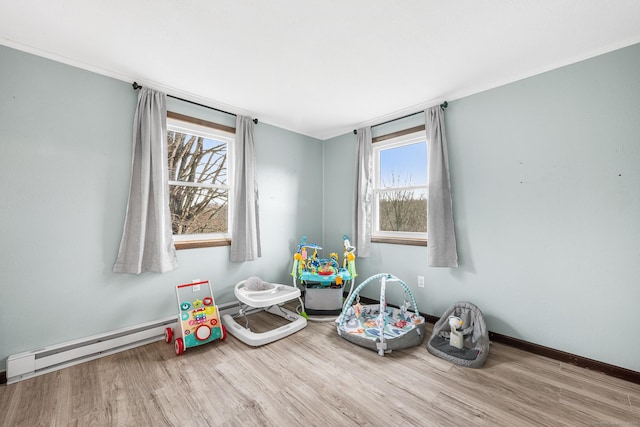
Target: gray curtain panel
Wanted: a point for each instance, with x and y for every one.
(147, 238)
(441, 237)
(245, 229)
(363, 193)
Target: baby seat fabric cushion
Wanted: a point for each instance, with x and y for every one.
(476, 337)
(254, 283)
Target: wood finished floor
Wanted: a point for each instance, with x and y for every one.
(316, 378)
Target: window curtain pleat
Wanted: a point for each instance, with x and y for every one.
(147, 237)
(245, 229)
(363, 193)
(441, 238)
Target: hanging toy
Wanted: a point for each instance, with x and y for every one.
(358, 310)
(351, 264)
(297, 265)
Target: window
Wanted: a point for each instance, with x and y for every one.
(400, 189)
(199, 180)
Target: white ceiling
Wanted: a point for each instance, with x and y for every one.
(319, 67)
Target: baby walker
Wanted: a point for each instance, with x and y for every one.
(323, 279)
(199, 320)
(255, 295)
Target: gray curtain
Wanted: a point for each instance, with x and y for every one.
(245, 229)
(363, 193)
(441, 237)
(147, 238)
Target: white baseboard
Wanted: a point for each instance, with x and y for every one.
(48, 359)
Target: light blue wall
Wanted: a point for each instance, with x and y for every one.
(65, 139)
(546, 190)
(546, 198)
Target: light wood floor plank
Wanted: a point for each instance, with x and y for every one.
(316, 378)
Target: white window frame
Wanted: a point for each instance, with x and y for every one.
(218, 135)
(378, 147)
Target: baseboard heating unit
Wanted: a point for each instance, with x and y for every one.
(48, 359)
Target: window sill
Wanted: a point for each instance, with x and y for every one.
(400, 241)
(195, 244)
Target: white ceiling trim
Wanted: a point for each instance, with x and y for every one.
(126, 78)
(319, 68)
(482, 88)
(334, 132)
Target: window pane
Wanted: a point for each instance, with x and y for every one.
(198, 210)
(196, 159)
(403, 210)
(403, 166)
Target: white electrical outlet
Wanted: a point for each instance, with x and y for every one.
(421, 281)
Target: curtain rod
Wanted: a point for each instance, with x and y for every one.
(444, 105)
(136, 86)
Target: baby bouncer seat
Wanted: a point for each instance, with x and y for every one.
(256, 295)
(473, 344)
